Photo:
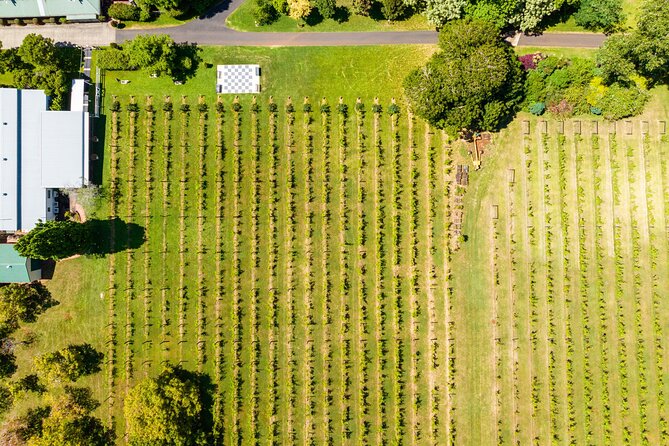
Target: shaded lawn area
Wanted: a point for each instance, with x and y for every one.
(80, 286)
(315, 71)
(242, 20)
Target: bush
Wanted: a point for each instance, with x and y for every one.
(144, 15)
(36, 21)
(530, 61)
(306, 107)
(596, 15)
(538, 108)
(264, 13)
(620, 102)
(327, 8)
(115, 107)
(113, 59)
(124, 11)
(62, 20)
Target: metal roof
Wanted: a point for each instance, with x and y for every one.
(13, 267)
(72, 9)
(64, 149)
(39, 150)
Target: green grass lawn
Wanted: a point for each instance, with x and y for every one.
(314, 71)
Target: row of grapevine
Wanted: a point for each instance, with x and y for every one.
(111, 288)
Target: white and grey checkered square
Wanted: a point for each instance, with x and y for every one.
(238, 79)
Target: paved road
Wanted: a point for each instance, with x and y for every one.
(211, 30)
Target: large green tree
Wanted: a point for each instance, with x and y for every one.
(38, 63)
(474, 83)
(21, 302)
(70, 423)
(69, 363)
(55, 240)
(166, 410)
(645, 51)
(603, 15)
(152, 52)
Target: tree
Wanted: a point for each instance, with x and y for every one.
(645, 51)
(17, 431)
(327, 8)
(166, 410)
(22, 303)
(362, 7)
(392, 9)
(123, 11)
(69, 364)
(299, 9)
(264, 12)
(151, 52)
(600, 14)
(112, 59)
(616, 60)
(70, 422)
(651, 40)
(38, 51)
(438, 12)
(55, 240)
(475, 83)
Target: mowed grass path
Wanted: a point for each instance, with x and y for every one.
(300, 259)
(566, 291)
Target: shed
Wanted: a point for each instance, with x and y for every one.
(75, 10)
(15, 268)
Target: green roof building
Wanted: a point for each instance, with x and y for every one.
(17, 269)
(74, 10)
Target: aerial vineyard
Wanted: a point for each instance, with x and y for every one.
(298, 253)
(565, 331)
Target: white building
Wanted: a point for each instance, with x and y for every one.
(41, 151)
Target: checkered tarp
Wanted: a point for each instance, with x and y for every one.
(238, 79)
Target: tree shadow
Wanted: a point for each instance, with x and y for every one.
(188, 57)
(97, 150)
(126, 236)
(314, 18)
(342, 14)
(560, 16)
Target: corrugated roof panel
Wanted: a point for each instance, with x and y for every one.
(9, 159)
(76, 9)
(13, 267)
(33, 196)
(64, 149)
